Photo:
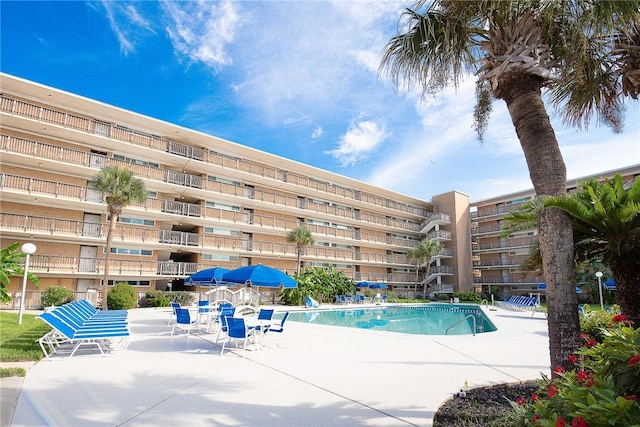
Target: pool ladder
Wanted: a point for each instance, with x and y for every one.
(475, 324)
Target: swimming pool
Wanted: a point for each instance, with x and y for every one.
(431, 319)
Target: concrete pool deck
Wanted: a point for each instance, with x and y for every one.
(326, 376)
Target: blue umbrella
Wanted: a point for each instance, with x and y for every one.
(378, 286)
(208, 277)
(610, 284)
(259, 275)
(362, 285)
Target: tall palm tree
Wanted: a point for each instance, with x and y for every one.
(302, 237)
(582, 52)
(120, 188)
(606, 220)
(422, 254)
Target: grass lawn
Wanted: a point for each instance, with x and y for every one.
(18, 342)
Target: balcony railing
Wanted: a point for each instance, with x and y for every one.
(82, 158)
(505, 244)
(77, 122)
(81, 193)
(433, 219)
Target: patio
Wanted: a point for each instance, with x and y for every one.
(327, 376)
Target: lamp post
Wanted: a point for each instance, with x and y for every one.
(27, 249)
(599, 276)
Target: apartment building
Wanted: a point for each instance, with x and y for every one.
(211, 202)
(496, 258)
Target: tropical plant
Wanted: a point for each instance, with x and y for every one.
(120, 188)
(606, 220)
(302, 237)
(321, 284)
(422, 254)
(12, 265)
(600, 388)
(583, 53)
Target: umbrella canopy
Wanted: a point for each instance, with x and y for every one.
(363, 285)
(378, 286)
(259, 275)
(610, 284)
(208, 277)
(543, 287)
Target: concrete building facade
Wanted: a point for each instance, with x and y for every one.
(211, 202)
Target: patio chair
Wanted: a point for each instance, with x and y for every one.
(106, 340)
(222, 320)
(265, 314)
(184, 320)
(237, 329)
(172, 319)
(278, 328)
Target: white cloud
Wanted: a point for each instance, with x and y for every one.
(317, 132)
(202, 30)
(361, 138)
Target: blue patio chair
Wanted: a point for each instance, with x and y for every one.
(106, 340)
(222, 320)
(183, 320)
(172, 319)
(278, 328)
(265, 314)
(237, 329)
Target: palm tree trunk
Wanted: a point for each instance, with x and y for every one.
(105, 279)
(548, 175)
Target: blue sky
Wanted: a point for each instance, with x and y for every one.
(296, 79)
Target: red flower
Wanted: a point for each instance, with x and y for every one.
(632, 397)
(521, 401)
(582, 376)
(584, 336)
(634, 361)
(561, 422)
(535, 397)
(619, 318)
(535, 418)
(553, 390)
(590, 343)
(558, 370)
(573, 358)
(579, 422)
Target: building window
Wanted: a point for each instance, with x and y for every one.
(136, 221)
(222, 180)
(223, 207)
(133, 161)
(131, 282)
(221, 231)
(131, 251)
(219, 257)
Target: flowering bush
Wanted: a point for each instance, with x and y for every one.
(601, 390)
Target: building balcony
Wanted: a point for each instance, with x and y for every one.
(434, 219)
(439, 235)
(40, 153)
(76, 122)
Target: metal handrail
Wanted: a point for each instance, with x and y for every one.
(475, 325)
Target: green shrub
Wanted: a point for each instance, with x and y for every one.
(56, 295)
(181, 297)
(468, 296)
(602, 389)
(122, 296)
(161, 302)
(594, 323)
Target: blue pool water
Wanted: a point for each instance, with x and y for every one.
(431, 319)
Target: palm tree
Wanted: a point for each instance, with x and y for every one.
(120, 188)
(606, 220)
(302, 237)
(582, 52)
(422, 254)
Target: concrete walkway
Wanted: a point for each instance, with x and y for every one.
(326, 376)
